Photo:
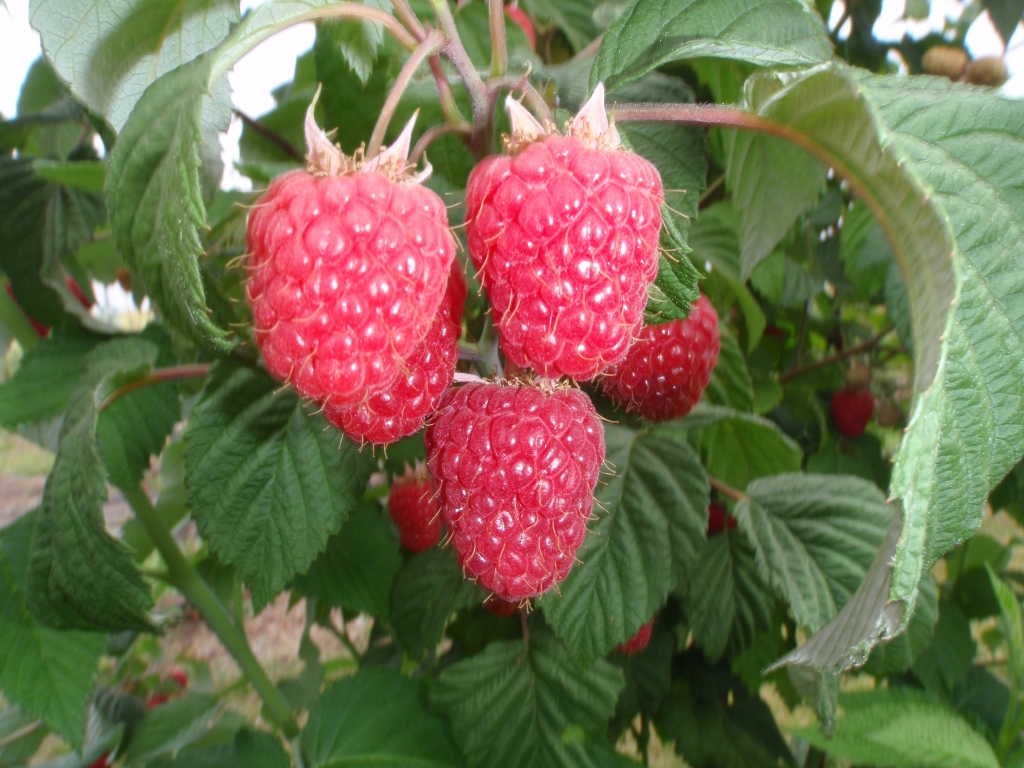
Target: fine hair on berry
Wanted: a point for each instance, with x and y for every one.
(515, 467)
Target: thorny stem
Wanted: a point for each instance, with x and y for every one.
(864, 346)
(431, 44)
(457, 55)
(187, 580)
(272, 136)
(726, 490)
(160, 375)
(433, 134)
(499, 56)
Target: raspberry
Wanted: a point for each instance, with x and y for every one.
(399, 410)
(347, 269)
(852, 411)
(515, 467)
(413, 507)
(565, 236)
(718, 521)
(668, 366)
(500, 608)
(637, 642)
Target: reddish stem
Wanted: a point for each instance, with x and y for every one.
(174, 373)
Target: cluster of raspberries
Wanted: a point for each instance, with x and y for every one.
(357, 302)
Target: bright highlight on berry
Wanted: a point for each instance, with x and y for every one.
(564, 232)
(515, 466)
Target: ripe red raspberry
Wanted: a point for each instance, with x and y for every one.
(565, 235)
(852, 410)
(637, 642)
(347, 267)
(399, 410)
(515, 467)
(668, 366)
(718, 521)
(413, 507)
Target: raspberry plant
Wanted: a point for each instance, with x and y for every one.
(611, 162)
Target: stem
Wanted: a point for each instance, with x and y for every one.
(710, 191)
(187, 580)
(835, 358)
(726, 490)
(407, 16)
(530, 94)
(444, 89)
(499, 56)
(815, 758)
(436, 132)
(433, 43)
(342, 635)
(160, 375)
(272, 136)
(457, 55)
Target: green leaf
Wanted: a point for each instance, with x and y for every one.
(730, 383)
(815, 537)
(42, 223)
(772, 182)
(46, 672)
(47, 376)
(428, 589)
(740, 447)
(967, 431)
(651, 514)
(385, 722)
(521, 705)
(155, 196)
(111, 50)
(946, 660)
(574, 17)
(1013, 628)
(359, 565)
(716, 246)
(1006, 16)
(905, 728)
(899, 653)
(19, 736)
(268, 483)
(357, 43)
(82, 578)
(169, 728)
(86, 175)
(726, 601)
(715, 722)
(650, 33)
(250, 749)
(864, 252)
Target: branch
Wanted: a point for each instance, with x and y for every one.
(174, 373)
(272, 136)
(864, 346)
(433, 134)
(726, 490)
(499, 56)
(459, 57)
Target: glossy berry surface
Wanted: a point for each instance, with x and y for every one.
(718, 521)
(566, 240)
(668, 366)
(413, 509)
(515, 467)
(346, 274)
(852, 410)
(637, 642)
(399, 410)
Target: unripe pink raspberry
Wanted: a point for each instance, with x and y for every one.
(668, 366)
(515, 467)
(414, 510)
(399, 410)
(347, 266)
(565, 236)
(637, 642)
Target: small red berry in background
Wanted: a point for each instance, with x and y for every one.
(669, 365)
(413, 508)
(500, 608)
(852, 410)
(718, 520)
(515, 466)
(518, 16)
(564, 233)
(103, 761)
(178, 675)
(347, 270)
(637, 642)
